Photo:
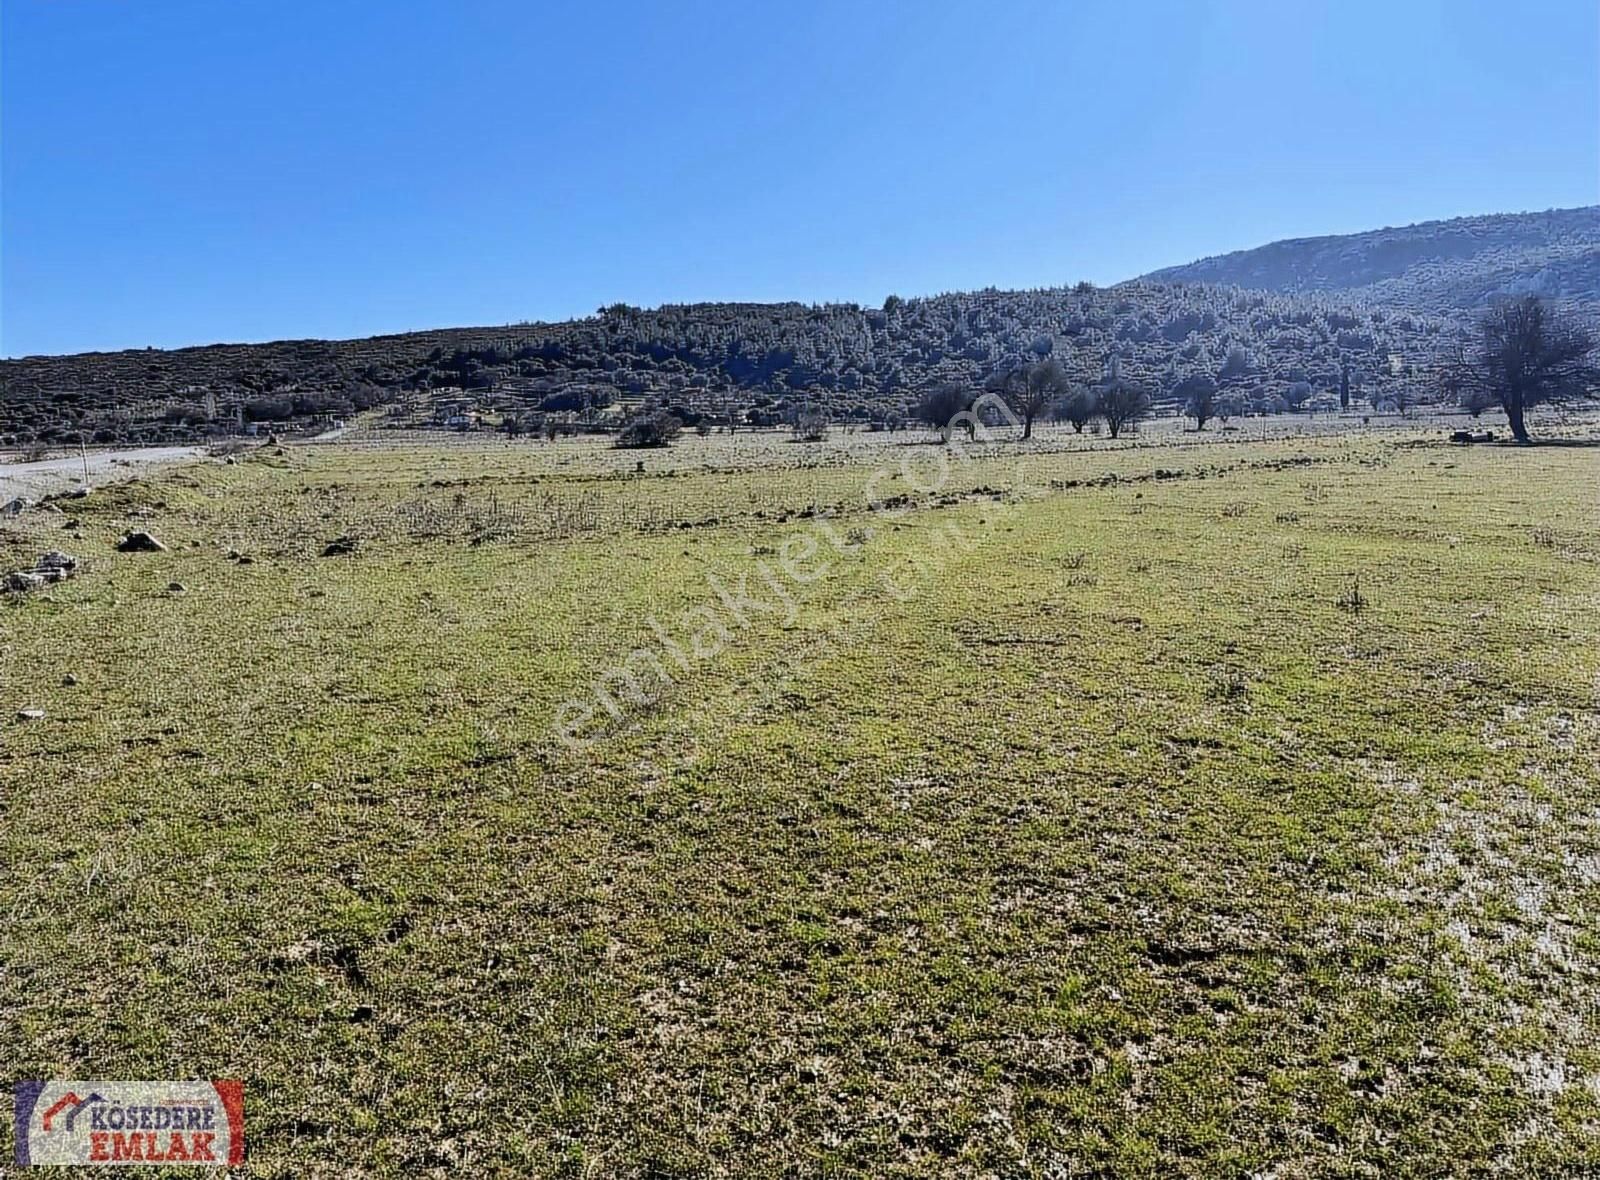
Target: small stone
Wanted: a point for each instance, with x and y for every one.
(30, 714)
(140, 542)
(176, 587)
(69, 680)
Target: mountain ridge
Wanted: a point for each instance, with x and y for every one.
(1454, 265)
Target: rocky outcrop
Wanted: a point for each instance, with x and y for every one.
(54, 566)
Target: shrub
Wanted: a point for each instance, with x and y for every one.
(650, 430)
(1122, 405)
(810, 427)
(939, 406)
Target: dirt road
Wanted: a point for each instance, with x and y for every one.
(60, 474)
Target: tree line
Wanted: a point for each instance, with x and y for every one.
(1522, 354)
(777, 362)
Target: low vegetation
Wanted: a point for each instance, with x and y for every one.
(734, 364)
(656, 429)
(1223, 808)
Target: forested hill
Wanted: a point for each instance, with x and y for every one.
(755, 362)
(1445, 267)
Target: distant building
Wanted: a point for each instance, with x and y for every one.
(457, 413)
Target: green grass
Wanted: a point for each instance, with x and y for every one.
(1114, 846)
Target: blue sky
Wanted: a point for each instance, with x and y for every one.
(175, 173)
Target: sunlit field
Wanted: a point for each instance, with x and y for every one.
(1215, 804)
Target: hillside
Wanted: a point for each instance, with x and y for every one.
(1387, 303)
(1437, 266)
(761, 363)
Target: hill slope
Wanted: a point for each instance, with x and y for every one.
(1439, 266)
(751, 362)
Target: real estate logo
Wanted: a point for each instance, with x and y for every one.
(125, 1123)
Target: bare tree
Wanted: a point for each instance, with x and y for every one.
(1120, 401)
(1198, 394)
(1526, 355)
(811, 426)
(1011, 383)
(1029, 389)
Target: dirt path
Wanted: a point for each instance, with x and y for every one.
(59, 474)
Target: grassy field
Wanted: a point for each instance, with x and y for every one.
(1216, 810)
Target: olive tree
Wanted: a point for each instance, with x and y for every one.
(940, 405)
(1120, 401)
(1079, 407)
(1028, 389)
(1198, 393)
(1527, 355)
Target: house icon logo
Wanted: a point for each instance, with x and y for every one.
(70, 1104)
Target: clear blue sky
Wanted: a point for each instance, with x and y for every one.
(178, 172)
